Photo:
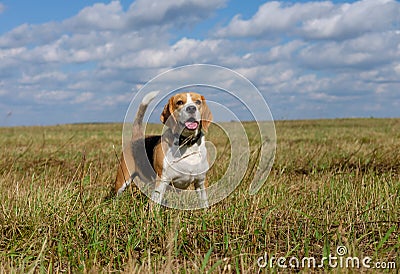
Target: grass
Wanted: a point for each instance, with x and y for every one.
(334, 182)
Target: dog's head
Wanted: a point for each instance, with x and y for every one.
(186, 113)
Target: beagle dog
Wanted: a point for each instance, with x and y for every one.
(178, 157)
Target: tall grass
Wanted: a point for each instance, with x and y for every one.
(334, 182)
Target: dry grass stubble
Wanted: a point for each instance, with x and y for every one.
(334, 182)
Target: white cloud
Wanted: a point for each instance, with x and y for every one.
(182, 52)
(52, 96)
(2, 8)
(316, 20)
(43, 78)
(301, 55)
(10, 53)
(83, 97)
(141, 14)
(350, 20)
(274, 18)
(178, 12)
(366, 51)
(88, 37)
(111, 101)
(27, 34)
(104, 17)
(397, 69)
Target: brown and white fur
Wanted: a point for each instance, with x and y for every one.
(178, 157)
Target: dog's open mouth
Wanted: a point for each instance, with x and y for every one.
(191, 124)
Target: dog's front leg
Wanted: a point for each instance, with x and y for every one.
(159, 190)
(201, 192)
(124, 185)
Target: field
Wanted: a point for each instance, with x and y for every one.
(334, 183)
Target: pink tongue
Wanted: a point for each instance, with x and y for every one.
(191, 125)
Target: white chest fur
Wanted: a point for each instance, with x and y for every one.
(185, 165)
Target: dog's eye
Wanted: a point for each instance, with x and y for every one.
(198, 102)
(179, 103)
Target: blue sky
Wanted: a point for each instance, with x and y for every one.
(83, 61)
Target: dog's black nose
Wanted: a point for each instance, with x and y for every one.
(191, 109)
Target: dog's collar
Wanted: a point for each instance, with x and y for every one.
(189, 140)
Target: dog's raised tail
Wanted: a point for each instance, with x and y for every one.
(138, 131)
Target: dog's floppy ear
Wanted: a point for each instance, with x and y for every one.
(206, 116)
(165, 117)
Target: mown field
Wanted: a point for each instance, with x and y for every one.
(334, 183)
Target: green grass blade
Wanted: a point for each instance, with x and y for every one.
(206, 259)
(385, 238)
